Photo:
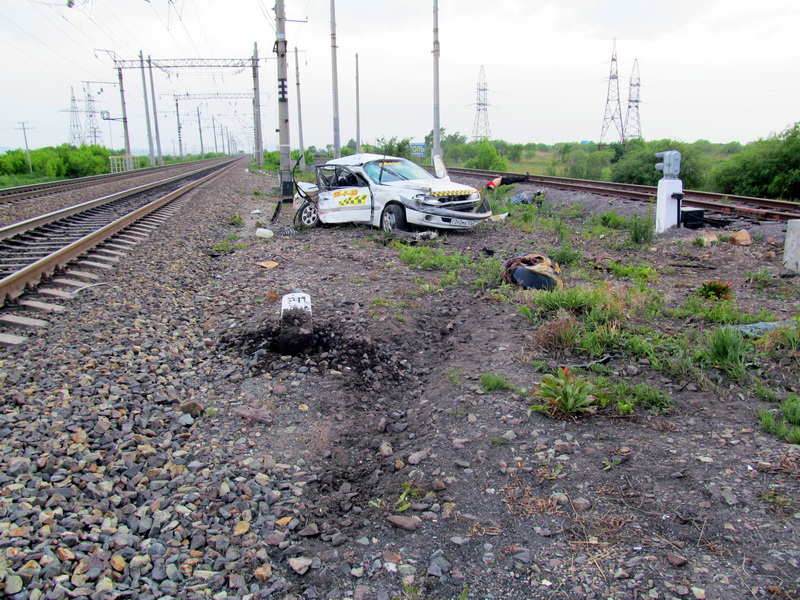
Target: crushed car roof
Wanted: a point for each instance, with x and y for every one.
(359, 159)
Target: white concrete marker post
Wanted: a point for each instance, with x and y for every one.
(670, 191)
(791, 246)
(297, 328)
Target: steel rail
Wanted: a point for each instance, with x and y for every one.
(17, 228)
(15, 284)
(19, 192)
(761, 208)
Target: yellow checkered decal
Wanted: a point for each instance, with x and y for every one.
(361, 199)
(458, 193)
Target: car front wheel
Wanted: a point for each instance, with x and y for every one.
(393, 218)
(309, 216)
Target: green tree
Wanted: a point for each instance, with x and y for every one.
(766, 168)
(487, 158)
(637, 164)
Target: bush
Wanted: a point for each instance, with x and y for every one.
(487, 158)
(767, 168)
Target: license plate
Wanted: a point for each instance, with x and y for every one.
(462, 222)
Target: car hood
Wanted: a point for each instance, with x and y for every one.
(438, 187)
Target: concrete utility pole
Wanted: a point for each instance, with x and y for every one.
(299, 111)
(25, 135)
(214, 130)
(337, 146)
(178, 116)
(155, 111)
(146, 110)
(200, 129)
(259, 151)
(437, 134)
(124, 113)
(358, 112)
(284, 148)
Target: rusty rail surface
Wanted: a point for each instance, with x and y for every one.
(15, 284)
(760, 208)
(21, 192)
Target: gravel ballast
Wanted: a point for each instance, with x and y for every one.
(156, 443)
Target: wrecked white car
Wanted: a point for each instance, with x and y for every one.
(388, 192)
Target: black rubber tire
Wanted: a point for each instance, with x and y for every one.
(394, 217)
(308, 216)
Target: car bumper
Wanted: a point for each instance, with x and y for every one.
(442, 218)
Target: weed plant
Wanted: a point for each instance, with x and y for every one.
(642, 230)
(638, 273)
(784, 424)
(599, 340)
(489, 274)
(786, 338)
(236, 221)
(424, 257)
(495, 383)
(720, 312)
(639, 395)
(560, 334)
(715, 290)
(598, 305)
(228, 245)
(612, 220)
(566, 255)
(564, 394)
(726, 348)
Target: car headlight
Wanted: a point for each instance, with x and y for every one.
(476, 195)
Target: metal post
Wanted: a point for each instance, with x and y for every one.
(146, 109)
(155, 111)
(284, 147)
(200, 129)
(437, 142)
(358, 112)
(124, 114)
(257, 110)
(27, 151)
(299, 111)
(337, 147)
(214, 129)
(178, 117)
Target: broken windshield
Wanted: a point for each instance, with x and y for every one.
(384, 171)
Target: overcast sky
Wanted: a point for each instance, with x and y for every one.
(721, 70)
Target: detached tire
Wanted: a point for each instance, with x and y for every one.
(308, 215)
(394, 217)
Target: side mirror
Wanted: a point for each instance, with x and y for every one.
(439, 170)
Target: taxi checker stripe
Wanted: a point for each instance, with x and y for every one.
(457, 193)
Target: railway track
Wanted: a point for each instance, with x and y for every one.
(758, 208)
(66, 248)
(36, 190)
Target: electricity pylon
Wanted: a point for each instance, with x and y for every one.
(613, 107)
(93, 135)
(75, 129)
(633, 127)
(481, 129)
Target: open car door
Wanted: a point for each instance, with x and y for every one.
(344, 196)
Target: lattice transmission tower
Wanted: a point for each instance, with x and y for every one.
(633, 127)
(481, 130)
(92, 129)
(75, 129)
(613, 106)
